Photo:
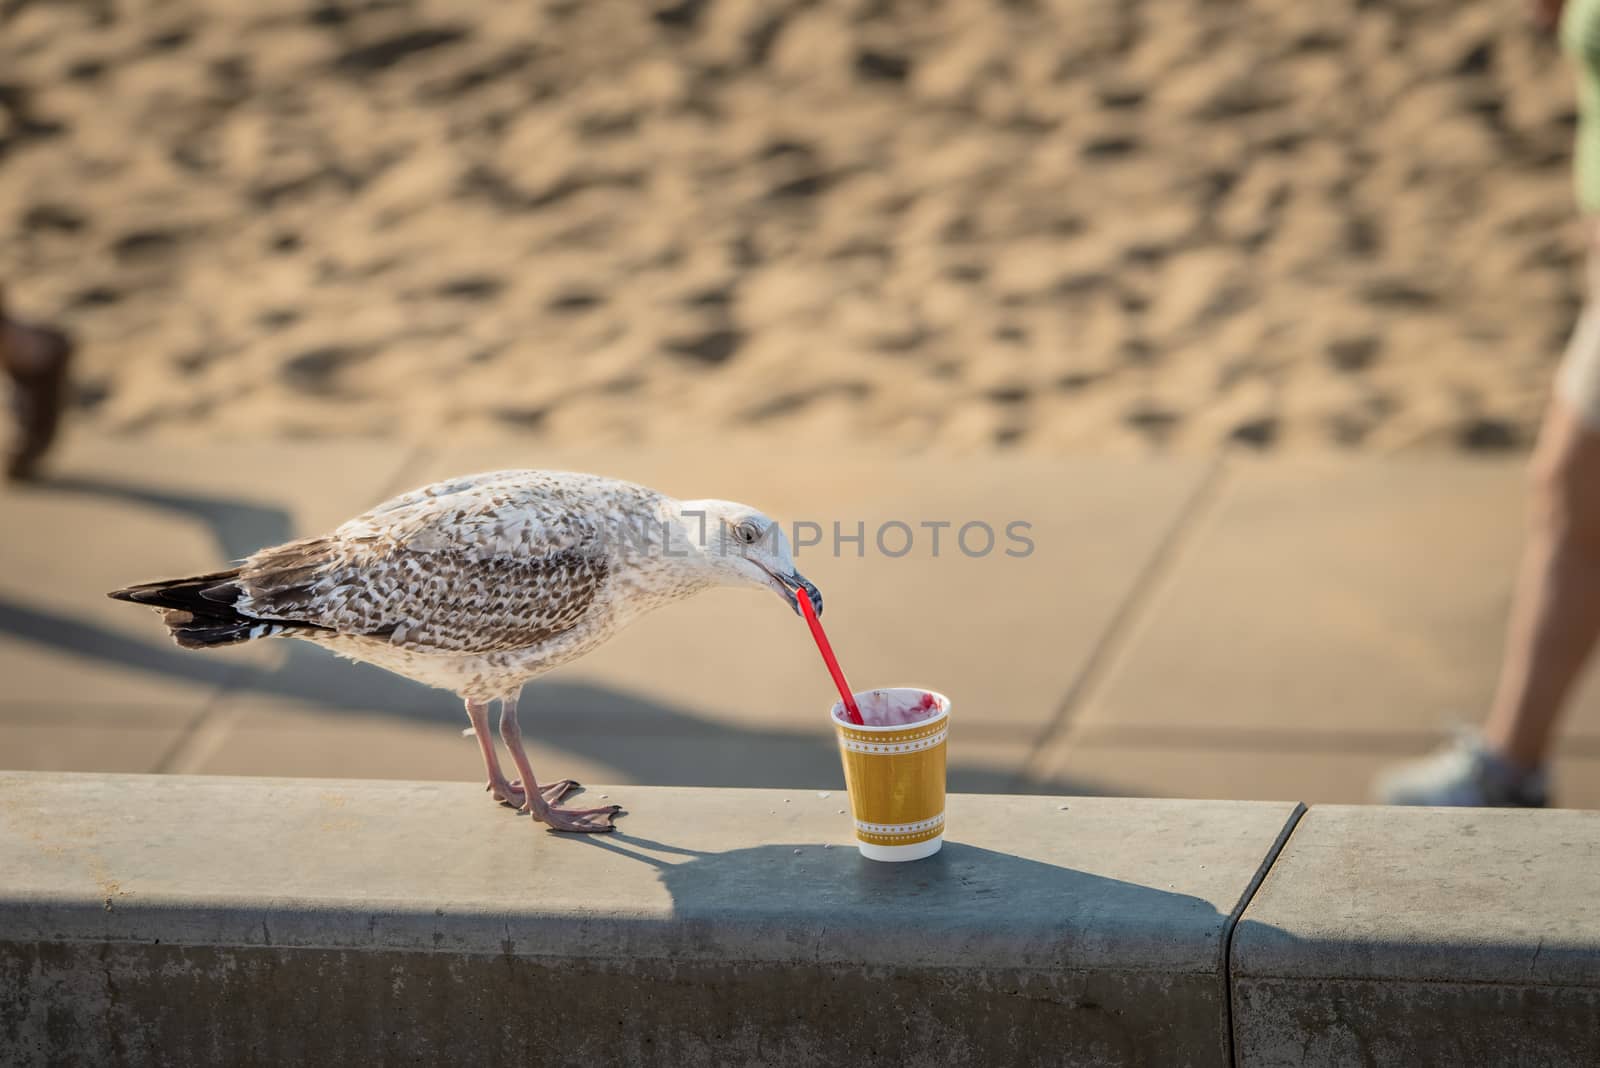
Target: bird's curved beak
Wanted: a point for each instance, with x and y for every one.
(793, 585)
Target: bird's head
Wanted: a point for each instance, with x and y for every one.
(740, 546)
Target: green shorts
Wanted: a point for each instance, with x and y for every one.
(1580, 39)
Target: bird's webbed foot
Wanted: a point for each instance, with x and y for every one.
(576, 820)
(511, 793)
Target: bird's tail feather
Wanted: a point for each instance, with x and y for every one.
(200, 611)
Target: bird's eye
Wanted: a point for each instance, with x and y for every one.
(746, 532)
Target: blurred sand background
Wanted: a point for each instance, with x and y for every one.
(1088, 224)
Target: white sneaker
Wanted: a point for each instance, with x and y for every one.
(1467, 774)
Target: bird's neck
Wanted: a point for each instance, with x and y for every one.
(669, 559)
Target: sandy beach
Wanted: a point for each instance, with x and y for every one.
(1050, 227)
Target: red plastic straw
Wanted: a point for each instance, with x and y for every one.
(828, 658)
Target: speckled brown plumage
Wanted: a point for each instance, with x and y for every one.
(455, 600)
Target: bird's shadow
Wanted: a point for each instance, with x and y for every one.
(876, 948)
(962, 884)
(645, 740)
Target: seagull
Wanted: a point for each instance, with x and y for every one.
(479, 584)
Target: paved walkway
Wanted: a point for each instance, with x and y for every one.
(1246, 629)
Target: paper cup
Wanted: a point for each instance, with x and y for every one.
(894, 769)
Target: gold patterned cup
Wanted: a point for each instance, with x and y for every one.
(894, 769)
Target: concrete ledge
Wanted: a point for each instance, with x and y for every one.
(1424, 936)
(178, 920)
(173, 920)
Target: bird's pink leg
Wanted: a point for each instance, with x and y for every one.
(503, 791)
(537, 802)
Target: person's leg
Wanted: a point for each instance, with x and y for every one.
(35, 358)
(1555, 613)
(1555, 609)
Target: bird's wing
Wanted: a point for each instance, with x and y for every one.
(471, 567)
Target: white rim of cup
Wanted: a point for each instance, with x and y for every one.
(836, 713)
